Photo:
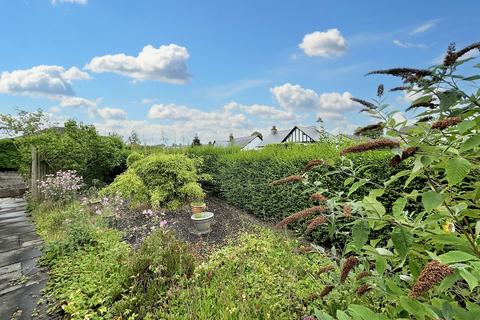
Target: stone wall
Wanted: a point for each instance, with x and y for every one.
(11, 184)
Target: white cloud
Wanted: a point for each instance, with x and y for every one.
(42, 80)
(195, 118)
(296, 98)
(425, 26)
(172, 112)
(82, 2)
(262, 111)
(326, 44)
(403, 44)
(77, 102)
(337, 101)
(331, 116)
(112, 113)
(54, 109)
(177, 123)
(166, 64)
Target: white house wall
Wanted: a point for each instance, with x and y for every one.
(298, 136)
(253, 144)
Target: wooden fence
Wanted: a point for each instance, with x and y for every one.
(39, 171)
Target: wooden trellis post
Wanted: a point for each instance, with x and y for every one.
(39, 170)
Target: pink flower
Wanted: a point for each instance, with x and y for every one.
(163, 223)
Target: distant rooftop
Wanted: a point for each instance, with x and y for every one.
(238, 142)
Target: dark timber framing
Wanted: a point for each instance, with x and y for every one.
(297, 135)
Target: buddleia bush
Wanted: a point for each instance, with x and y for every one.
(427, 262)
(160, 180)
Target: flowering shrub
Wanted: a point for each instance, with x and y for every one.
(62, 186)
(428, 266)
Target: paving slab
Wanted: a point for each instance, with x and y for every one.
(21, 278)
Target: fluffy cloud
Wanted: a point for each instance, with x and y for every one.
(82, 2)
(196, 118)
(112, 113)
(262, 111)
(166, 63)
(296, 98)
(41, 80)
(171, 123)
(77, 102)
(172, 112)
(326, 44)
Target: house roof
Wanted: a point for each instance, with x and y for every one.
(281, 135)
(278, 137)
(239, 142)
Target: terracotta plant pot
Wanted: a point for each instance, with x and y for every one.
(196, 209)
(203, 222)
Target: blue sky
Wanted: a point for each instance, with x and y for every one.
(171, 69)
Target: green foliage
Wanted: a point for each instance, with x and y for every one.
(159, 264)
(9, 155)
(427, 260)
(86, 260)
(86, 281)
(24, 123)
(159, 180)
(76, 147)
(244, 178)
(130, 187)
(260, 277)
(133, 157)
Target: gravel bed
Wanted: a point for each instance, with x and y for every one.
(228, 223)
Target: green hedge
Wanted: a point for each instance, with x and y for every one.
(243, 178)
(98, 159)
(9, 155)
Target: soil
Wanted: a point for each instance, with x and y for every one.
(228, 223)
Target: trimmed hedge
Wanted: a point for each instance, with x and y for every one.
(9, 155)
(243, 178)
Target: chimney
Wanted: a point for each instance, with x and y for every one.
(274, 130)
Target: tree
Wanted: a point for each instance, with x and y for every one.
(24, 123)
(134, 139)
(196, 141)
(320, 123)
